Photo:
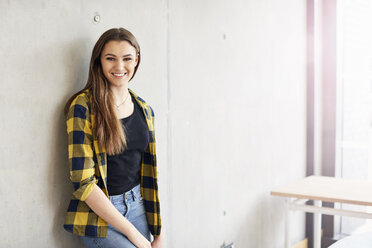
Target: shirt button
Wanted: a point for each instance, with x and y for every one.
(126, 197)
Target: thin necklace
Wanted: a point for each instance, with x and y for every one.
(117, 106)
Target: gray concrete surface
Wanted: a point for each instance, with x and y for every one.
(226, 80)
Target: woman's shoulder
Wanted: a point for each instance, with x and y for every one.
(142, 102)
(83, 98)
(80, 105)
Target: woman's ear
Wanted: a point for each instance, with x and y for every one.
(137, 59)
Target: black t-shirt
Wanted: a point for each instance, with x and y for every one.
(123, 170)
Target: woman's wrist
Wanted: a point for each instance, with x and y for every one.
(160, 236)
(134, 234)
(137, 238)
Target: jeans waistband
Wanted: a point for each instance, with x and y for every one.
(135, 192)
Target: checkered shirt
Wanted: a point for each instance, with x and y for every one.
(88, 166)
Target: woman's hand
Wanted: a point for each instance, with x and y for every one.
(139, 240)
(158, 242)
(144, 243)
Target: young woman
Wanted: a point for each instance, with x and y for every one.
(111, 148)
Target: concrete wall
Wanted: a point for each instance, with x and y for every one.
(226, 80)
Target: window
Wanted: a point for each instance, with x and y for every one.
(354, 99)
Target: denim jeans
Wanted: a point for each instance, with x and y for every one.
(129, 204)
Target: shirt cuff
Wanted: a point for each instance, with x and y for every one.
(84, 191)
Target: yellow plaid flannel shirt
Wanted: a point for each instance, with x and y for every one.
(88, 166)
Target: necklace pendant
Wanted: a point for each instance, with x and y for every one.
(118, 106)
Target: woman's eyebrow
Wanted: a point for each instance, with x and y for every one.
(110, 54)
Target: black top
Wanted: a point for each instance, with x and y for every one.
(123, 170)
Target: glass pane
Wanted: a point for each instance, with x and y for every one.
(355, 98)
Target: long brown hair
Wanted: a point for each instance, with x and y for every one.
(107, 128)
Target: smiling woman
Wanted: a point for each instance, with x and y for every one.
(112, 155)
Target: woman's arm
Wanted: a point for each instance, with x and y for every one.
(103, 207)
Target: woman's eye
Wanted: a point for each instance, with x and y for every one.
(127, 59)
(110, 59)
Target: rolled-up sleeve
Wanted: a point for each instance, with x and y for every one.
(80, 148)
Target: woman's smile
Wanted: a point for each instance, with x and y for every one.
(119, 75)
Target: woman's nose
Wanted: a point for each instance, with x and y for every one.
(120, 64)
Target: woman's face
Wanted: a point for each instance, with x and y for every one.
(118, 60)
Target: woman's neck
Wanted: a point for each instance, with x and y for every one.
(119, 94)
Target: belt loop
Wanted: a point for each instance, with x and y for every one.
(133, 195)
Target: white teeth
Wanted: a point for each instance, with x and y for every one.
(118, 74)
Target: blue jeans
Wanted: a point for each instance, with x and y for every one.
(129, 204)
